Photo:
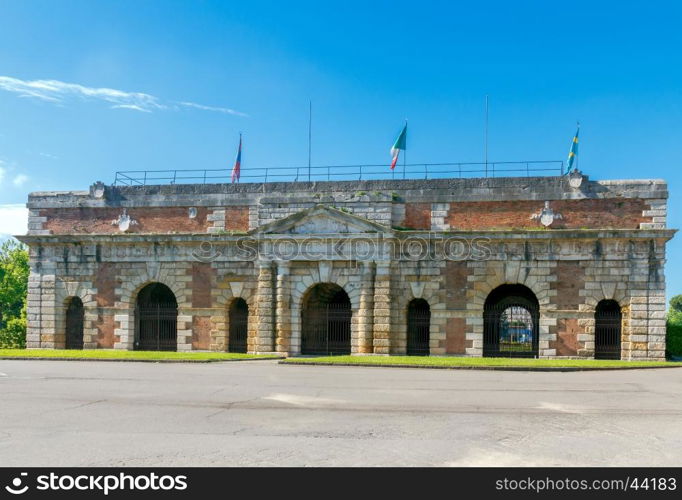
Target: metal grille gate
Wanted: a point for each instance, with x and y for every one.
(607, 330)
(156, 325)
(239, 322)
(74, 324)
(418, 328)
(511, 329)
(326, 329)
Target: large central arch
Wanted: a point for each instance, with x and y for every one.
(156, 319)
(511, 317)
(326, 321)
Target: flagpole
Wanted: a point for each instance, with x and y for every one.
(240, 157)
(405, 150)
(485, 137)
(310, 135)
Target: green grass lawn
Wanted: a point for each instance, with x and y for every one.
(95, 354)
(456, 362)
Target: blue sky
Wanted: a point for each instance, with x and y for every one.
(366, 66)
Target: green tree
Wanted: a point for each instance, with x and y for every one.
(14, 272)
(674, 327)
(676, 303)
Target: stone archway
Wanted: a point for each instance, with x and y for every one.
(418, 328)
(156, 319)
(75, 319)
(608, 321)
(511, 322)
(238, 316)
(326, 321)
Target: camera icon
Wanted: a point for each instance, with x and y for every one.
(15, 488)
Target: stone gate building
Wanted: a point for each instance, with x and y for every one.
(542, 266)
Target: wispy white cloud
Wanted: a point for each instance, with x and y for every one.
(212, 108)
(2, 172)
(57, 92)
(61, 92)
(20, 180)
(131, 106)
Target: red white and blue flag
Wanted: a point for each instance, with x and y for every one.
(236, 170)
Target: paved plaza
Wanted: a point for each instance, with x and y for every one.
(260, 413)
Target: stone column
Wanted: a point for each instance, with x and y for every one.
(34, 313)
(382, 308)
(50, 336)
(283, 316)
(265, 310)
(366, 310)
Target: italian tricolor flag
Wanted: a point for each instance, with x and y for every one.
(400, 144)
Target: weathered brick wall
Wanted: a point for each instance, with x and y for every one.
(455, 284)
(86, 220)
(417, 216)
(439, 205)
(576, 214)
(228, 219)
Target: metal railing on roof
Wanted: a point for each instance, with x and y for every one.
(342, 173)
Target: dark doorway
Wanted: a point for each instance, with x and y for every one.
(74, 324)
(418, 328)
(607, 330)
(511, 317)
(239, 323)
(325, 321)
(156, 319)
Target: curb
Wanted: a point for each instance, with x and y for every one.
(31, 358)
(483, 368)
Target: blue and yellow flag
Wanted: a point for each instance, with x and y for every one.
(573, 153)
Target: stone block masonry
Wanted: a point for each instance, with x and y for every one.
(566, 252)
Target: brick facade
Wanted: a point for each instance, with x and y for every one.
(448, 242)
(576, 214)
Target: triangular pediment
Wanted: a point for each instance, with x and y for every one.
(322, 219)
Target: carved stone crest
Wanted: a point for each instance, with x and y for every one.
(124, 221)
(98, 190)
(575, 179)
(546, 216)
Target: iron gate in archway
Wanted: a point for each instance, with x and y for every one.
(239, 323)
(326, 321)
(74, 324)
(418, 328)
(511, 318)
(607, 330)
(156, 319)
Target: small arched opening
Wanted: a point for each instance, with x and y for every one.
(418, 328)
(239, 323)
(607, 330)
(74, 324)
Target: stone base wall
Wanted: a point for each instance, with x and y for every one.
(568, 276)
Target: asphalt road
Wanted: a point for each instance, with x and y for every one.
(258, 413)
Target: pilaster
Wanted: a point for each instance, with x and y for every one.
(382, 308)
